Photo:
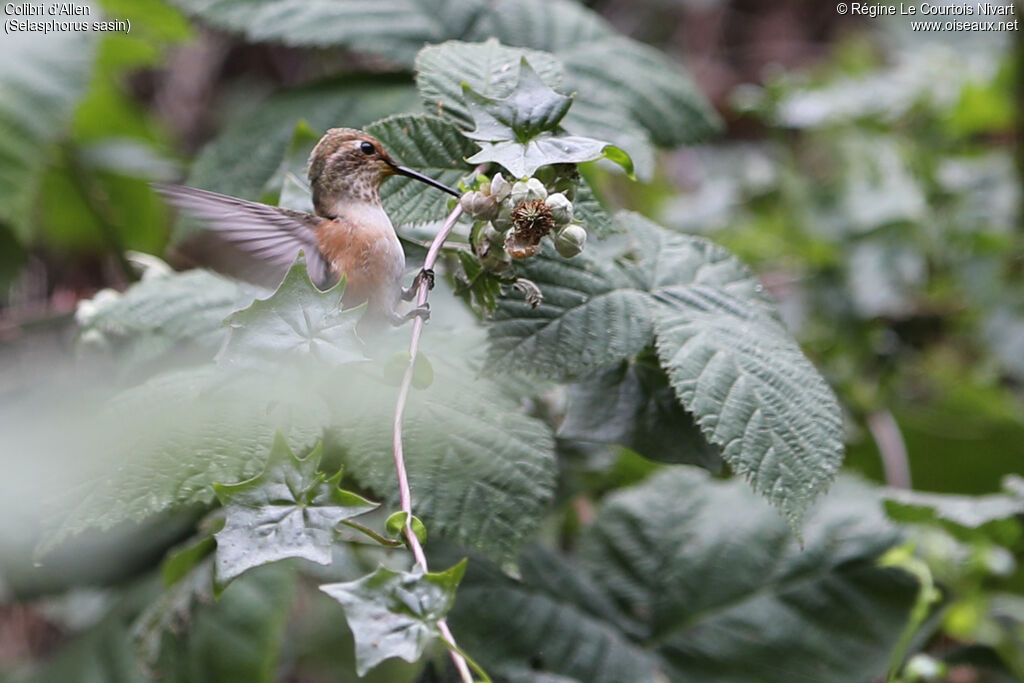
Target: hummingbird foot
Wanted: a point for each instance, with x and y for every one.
(427, 275)
(418, 312)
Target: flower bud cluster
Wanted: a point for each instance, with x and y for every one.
(516, 217)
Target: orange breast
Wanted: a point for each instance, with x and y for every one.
(370, 258)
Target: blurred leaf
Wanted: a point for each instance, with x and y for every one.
(101, 653)
(179, 562)
(238, 638)
(165, 316)
(288, 510)
(687, 578)
(996, 516)
(431, 146)
(162, 444)
(298, 322)
(291, 176)
(633, 405)
(395, 29)
(481, 471)
(42, 78)
(395, 614)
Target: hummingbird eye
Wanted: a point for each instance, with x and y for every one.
(367, 148)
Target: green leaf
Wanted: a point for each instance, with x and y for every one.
(237, 639)
(635, 100)
(297, 322)
(516, 122)
(395, 525)
(530, 109)
(752, 392)
(524, 158)
(632, 405)
(590, 213)
(288, 510)
(685, 577)
(431, 146)
(592, 317)
(42, 77)
(730, 361)
(995, 516)
(481, 471)
(489, 69)
(395, 614)
(180, 561)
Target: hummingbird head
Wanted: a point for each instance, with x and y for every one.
(347, 165)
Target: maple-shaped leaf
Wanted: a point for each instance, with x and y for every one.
(289, 510)
(395, 614)
(522, 133)
(530, 109)
(297, 320)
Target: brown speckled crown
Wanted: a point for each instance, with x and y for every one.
(340, 171)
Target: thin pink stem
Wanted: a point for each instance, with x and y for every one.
(404, 493)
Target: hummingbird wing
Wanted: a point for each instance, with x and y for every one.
(248, 240)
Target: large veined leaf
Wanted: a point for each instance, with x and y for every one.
(481, 471)
(686, 578)
(433, 147)
(732, 364)
(633, 405)
(42, 76)
(592, 317)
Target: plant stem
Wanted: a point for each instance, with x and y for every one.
(889, 439)
(404, 493)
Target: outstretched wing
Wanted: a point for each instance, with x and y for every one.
(248, 240)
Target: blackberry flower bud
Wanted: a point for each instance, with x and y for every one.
(570, 240)
(528, 191)
(500, 188)
(480, 206)
(561, 208)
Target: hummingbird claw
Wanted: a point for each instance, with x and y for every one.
(418, 312)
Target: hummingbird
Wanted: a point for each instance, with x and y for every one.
(348, 234)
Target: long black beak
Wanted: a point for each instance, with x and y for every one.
(408, 172)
